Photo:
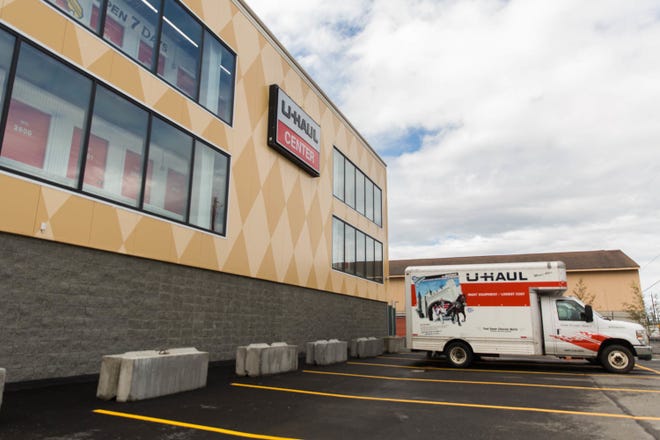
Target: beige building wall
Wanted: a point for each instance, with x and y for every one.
(279, 218)
(612, 289)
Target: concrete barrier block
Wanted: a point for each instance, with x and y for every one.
(394, 344)
(279, 358)
(354, 346)
(309, 352)
(109, 377)
(363, 347)
(144, 376)
(137, 375)
(329, 352)
(321, 353)
(367, 347)
(339, 350)
(334, 351)
(376, 346)
(241, 353)
(253, 359)
(3, 377)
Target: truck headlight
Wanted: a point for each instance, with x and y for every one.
(642, 337)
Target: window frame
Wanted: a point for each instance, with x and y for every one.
(373, 269)
(153, 68)
(349, 167)
(19, 41)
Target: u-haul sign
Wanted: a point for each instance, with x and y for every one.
(293, 132)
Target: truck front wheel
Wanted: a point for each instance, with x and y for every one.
(617, 359)
(459, 354)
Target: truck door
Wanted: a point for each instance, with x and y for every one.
(567, 333)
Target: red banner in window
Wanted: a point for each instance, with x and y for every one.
(114, 31)
(26, 134)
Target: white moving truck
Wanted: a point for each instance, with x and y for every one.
(512, 309)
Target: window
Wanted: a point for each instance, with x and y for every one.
(218, 70)
(57, 131)
(168, 171)
(337, 244)
(189, 57)
(360, 254)
(338, 175)
(6, 54)
(85, 12)
(369, 199)
(355, 189)
(370, 258)
(350, 185)
(132, 26)
(378, 208)
(570, 311)
(46, 119)
(181, 36)
(115, 151)
(378, 261)
(209, 192)
(359, 191)
(349, 250)
(355, 252)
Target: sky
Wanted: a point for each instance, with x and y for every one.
(519, 126)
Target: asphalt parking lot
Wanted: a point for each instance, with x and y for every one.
(399, 396)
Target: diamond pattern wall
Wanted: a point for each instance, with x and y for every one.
(279, 218)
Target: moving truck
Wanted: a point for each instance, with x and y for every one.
(476, 310)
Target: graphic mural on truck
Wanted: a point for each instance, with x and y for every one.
(439, 298)
(586, 340)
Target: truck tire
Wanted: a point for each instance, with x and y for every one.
(617, 359)
(459, 354)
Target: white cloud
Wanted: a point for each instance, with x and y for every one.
(540, 117)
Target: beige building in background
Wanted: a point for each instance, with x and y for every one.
(607, 274)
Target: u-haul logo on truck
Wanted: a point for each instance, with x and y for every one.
(495, 276)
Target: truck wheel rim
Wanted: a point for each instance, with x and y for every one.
(458, 355)
(617, 359)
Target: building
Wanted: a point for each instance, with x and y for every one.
(170, 176)
(607, 274)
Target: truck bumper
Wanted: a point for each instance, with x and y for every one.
(644, 353)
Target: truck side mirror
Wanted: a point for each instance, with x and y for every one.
(589, 313)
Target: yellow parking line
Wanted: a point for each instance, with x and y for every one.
(647, 369)
(453, 404)
(471, 382)
(477, 370)
(417, 367)
(189, 425)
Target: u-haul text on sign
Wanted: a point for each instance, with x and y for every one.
(293, 132)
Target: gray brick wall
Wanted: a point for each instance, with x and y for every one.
(63, 307)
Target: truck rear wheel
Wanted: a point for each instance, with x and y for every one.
(459, 354)
(617, 359)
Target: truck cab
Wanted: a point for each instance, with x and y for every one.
(573, 329)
